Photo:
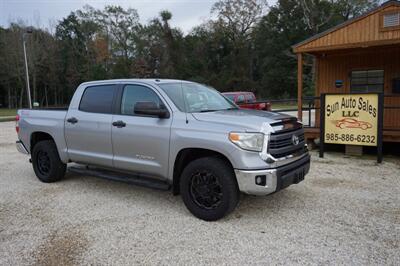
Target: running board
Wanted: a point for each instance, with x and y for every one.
(121, 177)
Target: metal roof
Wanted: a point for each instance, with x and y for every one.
(348, 22)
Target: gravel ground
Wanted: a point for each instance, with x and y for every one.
(347, 211)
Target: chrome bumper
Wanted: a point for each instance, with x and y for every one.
(247, 181)
(21, 148)
(272, 179)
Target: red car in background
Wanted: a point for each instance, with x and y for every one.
(246, 100)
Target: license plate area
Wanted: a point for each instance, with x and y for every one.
(293, 174)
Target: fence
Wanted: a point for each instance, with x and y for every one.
(310, 105)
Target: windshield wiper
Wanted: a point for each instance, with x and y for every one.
(210, 110)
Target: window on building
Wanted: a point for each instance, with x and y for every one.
(391, 20)
(98, 99)
(367, 81)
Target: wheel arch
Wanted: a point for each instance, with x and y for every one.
(38, 136)
(188, 155)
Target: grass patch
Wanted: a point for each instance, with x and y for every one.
(277, 106)
(6, 119)
(8, 112)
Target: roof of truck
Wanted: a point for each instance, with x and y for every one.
(147, 81)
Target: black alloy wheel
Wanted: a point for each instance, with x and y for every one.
(43, 162)
(209, 188)
(205, 190)
(46, 162)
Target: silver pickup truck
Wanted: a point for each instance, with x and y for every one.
(167, 134)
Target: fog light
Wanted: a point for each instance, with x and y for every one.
(261, 180)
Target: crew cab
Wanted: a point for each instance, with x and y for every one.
(247, 100)
(167, 134)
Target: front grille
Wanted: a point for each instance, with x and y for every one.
(281, 143)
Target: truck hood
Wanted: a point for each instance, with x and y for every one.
(248, 119)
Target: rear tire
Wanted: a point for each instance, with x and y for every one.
(46, 162)
(209, 189)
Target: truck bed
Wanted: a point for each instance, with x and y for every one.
(48, 109)
(47, 120)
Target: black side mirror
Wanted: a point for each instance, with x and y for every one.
(151, 109)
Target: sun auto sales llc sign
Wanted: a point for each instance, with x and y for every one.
(351, 119)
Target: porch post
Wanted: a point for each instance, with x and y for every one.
(300, 86)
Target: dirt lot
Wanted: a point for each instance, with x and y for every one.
(347, 211)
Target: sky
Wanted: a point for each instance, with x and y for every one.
(186, 13)
(44, 13)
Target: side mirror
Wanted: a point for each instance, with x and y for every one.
(151, 109)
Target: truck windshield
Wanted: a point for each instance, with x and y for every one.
(194, 98)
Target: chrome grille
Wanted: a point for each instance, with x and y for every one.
(281, 143)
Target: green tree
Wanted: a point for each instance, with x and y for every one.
(241, 47)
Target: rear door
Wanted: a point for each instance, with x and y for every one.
(88, 127)
(140, 143)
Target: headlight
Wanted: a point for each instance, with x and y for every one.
(247, 141)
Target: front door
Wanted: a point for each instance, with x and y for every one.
(88, 128)
(140, 143)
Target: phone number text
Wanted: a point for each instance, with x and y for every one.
(350, 138)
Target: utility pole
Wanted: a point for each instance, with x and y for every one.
(28, 89)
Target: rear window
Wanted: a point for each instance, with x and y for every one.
(98, 99)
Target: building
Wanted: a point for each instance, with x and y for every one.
(359, 55)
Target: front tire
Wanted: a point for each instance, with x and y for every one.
(209, 189)
(46, 162)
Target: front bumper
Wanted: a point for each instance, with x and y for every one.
(21, 148)
(272, 180)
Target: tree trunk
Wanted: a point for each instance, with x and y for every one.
(9, 97)
(34, 87)
(21, 97)
(55, 96)
(45, 95)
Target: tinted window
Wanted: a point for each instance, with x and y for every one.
(97, 99)
(136, 93)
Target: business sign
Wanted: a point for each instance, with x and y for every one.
(352, 119)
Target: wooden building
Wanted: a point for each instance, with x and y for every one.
(359, 55)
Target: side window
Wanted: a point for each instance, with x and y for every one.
(136, 93)
(98, 99)
(240, 98)
(250, 98)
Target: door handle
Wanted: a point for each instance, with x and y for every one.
(119, 124)
(72, 120)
